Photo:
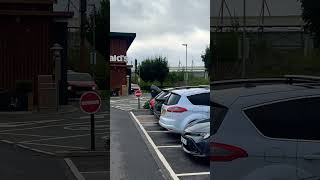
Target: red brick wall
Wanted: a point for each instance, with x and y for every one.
(118, 47)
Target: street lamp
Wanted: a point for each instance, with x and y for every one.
(186, 75)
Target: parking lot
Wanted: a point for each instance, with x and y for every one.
(167, 148)
(61, 135)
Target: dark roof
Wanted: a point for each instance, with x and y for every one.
(122, 35)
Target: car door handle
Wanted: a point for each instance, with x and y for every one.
(312, 157)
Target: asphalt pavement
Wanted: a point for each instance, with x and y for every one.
(130, 156)
(18, 163)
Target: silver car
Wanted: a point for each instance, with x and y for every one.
(266, 132)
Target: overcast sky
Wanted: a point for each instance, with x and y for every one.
(162, 26)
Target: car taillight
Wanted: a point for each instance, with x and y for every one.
(224, 152)
(177, 109)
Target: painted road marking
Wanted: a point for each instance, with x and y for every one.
(74, 169)
(87, 127)
(95, 172)
(65, 137)
(53, 145)
(164, 131)
(170, 146)
(193, 174)
(17, 124)
(27, 135)
(99, 116)
(160, 155)
(39, 127)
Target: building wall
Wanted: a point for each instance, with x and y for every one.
(24, 49)
(118, 47)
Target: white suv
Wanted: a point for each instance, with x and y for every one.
(266, 132)
(184, 106)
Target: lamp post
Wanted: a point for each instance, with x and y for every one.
(186, 73)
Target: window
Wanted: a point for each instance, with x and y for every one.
(200, 99)
(173, 99)
(294, 119)
(217, 115)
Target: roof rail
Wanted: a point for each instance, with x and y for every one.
(286, 79)
(294, 78)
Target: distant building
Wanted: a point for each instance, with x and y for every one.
(120, 71)
(195, 71)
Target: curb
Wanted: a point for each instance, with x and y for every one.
(165, 173)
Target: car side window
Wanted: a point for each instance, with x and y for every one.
(310, 121)
(279, 120)
(173, 99)
(200, 99)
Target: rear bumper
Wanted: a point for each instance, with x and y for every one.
(169, 125)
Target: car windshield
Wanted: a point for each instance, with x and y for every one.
(79, 77)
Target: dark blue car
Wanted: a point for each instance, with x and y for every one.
(195, 138)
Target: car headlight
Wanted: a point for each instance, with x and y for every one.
(69, 88)
(94, 88)
(205, 135)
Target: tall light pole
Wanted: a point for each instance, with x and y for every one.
(186, 78)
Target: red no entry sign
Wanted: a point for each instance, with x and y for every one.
(138, 93)
(90, 102)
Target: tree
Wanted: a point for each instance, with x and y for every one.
(311, 14)
(102, 28)
(154, 69)
(207, 59)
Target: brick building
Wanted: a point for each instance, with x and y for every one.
(119, 69)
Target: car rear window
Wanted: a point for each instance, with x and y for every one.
(173, 99)
(79, 77)
(161, 95)
(217, 115)
(294, 119)
(200, 99)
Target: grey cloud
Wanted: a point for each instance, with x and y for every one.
(171, 21)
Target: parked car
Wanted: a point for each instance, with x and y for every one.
(134, 87)
(184, 106)
(266, 131)
(195, 138)
(78, 83)
(159, 100)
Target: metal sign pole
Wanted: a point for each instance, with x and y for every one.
(93, 146)
(138, 102)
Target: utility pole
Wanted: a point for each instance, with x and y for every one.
(243, 73)
(83, 9)
(94, 54)
(68, 5)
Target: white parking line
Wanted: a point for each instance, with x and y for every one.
(160, 155)
(65, 137)
(170, 146)
(95, 172)
(26, 123)
(39, 127)
(74, 169)
(32, 135)
(163, 131)
(193, 174)
(53, 145)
